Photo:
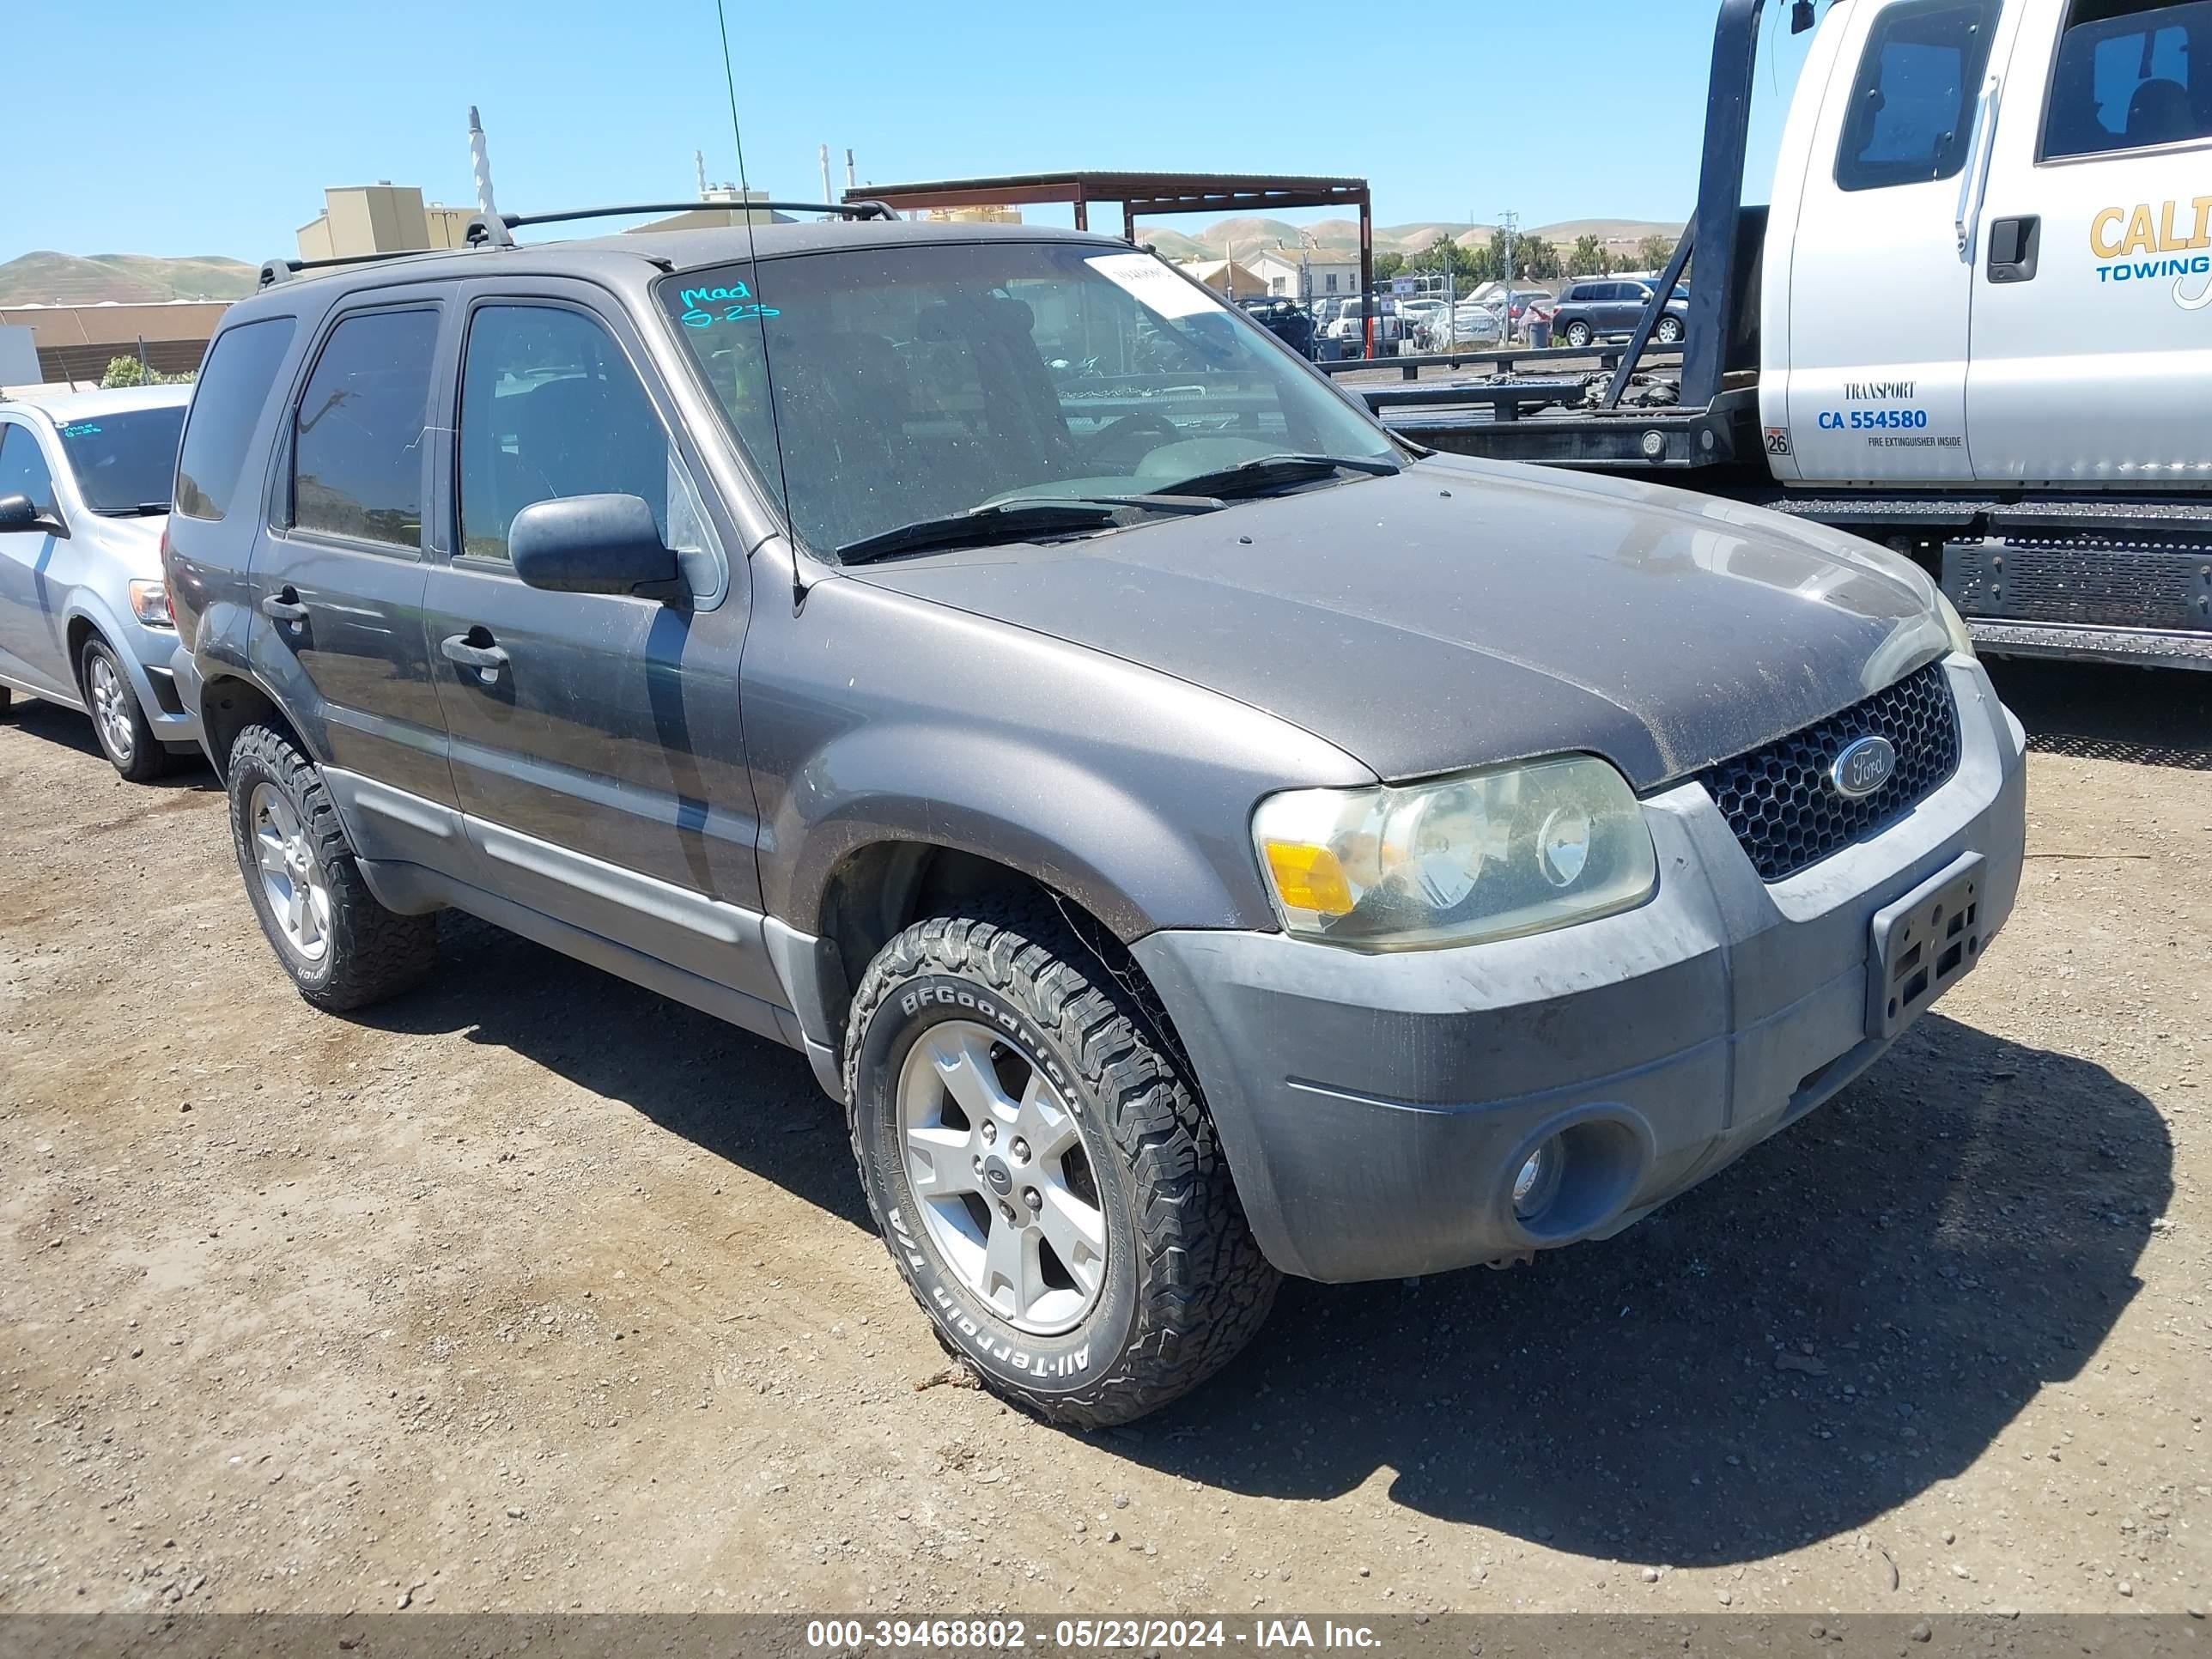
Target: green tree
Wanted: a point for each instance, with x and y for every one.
(1388, 266)
(1590, 259)
(1537, 257)
(1654, 252)
(128, 371)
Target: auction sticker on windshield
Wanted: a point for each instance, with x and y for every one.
(1156, 286)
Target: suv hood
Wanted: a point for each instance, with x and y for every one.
(1464, 613)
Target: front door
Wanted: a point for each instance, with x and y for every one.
(340, 588)
(1878, 288)
(2093, 294)
(599, 757)
(33, 648)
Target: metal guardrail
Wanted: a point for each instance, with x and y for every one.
(1410, 368)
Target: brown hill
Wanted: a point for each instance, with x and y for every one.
(49, 278)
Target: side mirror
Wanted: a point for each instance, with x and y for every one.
(592, 544)
(21, 512)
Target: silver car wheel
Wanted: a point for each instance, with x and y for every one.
(111, 709)
(1002, 1179)
(299, 897)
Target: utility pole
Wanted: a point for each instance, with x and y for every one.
(851, 181)
(1510, 222)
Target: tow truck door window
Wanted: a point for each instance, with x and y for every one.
(2094, 368)
(1878, 295)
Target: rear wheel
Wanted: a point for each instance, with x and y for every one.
(125, 737)
(1577, 335)
(1049, 1185)
(1670, 331)
(343, 948)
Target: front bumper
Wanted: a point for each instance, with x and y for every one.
(1374, 1108)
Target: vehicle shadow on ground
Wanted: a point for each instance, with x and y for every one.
(745, 1099)
(51, 723)
(2090, 711)
(1849, 1315)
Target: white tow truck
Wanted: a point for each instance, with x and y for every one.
(1975, 322)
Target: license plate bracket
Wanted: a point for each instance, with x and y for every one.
(1921, 944)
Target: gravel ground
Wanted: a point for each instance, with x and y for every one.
(532, 1291)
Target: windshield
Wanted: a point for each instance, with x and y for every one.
(126, 461)
(914, 382)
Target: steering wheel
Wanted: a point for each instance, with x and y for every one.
(1102, 444)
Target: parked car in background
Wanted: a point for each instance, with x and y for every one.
(1609, 308)
(1286, 319)
(1474, 325)
(84, 620)
(1348, 334)
(1421, 318)
(1196, 838)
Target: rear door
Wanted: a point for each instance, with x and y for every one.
(1879, 291)
(600, 762)
(2093, 292)
(33, 648)
(339, 580)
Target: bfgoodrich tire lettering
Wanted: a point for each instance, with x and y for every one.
(362, 952)
(1185, 1285)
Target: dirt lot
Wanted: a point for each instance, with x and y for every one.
(532, 1291)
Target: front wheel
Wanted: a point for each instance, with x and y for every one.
(1577, 335)
(1049, 1185)
(125, 737)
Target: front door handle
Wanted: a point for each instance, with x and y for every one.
(285, 606)
(475, 649)
(2013, 245)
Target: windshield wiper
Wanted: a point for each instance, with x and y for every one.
(1019, 518)
(143, 510)
(1265, 472)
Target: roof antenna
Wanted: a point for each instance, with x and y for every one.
(495, 230)
(760, 314)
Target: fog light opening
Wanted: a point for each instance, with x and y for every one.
(1537, 1184)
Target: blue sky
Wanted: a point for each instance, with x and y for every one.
(228, 119)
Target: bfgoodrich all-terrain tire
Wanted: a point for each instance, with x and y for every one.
(1047, 1179)
(343, 949)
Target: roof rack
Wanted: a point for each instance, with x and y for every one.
(480, 232)
(274, 272)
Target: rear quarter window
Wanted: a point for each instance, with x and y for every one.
(226, 403)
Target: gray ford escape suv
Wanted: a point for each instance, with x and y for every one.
(1198, 836)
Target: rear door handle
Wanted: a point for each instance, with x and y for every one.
(2014, 245)
(474, 649)
(284, 606)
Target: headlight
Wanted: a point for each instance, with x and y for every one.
(1961, 639)
(1492, 854)
(149, 603)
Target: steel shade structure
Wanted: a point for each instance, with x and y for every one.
(1147, 194)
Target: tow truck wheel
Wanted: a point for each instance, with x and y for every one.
(1049, 1182)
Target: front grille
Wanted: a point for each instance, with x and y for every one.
(1786, 812)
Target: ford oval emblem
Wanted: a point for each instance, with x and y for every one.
(1863, 768)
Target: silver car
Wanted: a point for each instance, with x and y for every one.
(84, 620)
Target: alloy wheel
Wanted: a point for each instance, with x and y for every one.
(1001, 1177)
(111, 709)
(299, 896)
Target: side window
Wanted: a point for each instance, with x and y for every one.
(226, 405)
(550, 408)
(2124, 77)
(1912, 105)
(357, 434)
(23, 469)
